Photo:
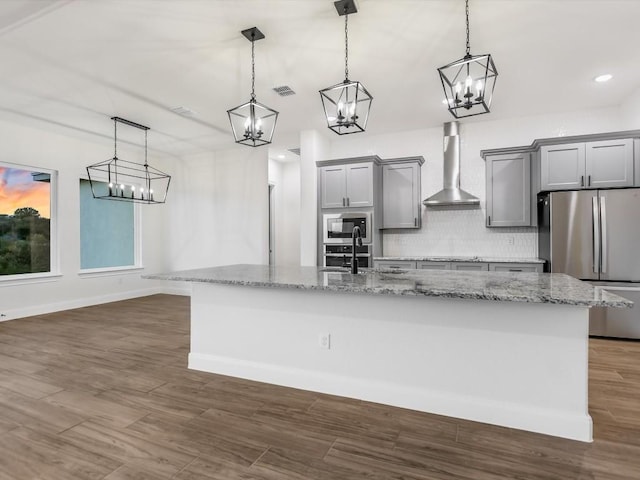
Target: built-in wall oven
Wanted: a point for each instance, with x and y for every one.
(337, 239)
(340, 255)
(338, 227)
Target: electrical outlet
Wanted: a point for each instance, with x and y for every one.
(324, 340)
(511, 240)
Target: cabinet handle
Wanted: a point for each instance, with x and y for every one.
(489, 220)
(515, 269)
(589, 181)
(415, 221)
(582, 180)
(344, 202)
(348, 202)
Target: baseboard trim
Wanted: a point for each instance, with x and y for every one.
(556, 423)
(43, 309)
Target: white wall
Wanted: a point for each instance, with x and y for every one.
(285, 176)
(218, 214)
(69, 153)
(462, 231)
(313, 147)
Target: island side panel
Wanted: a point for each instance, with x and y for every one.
(520, 365)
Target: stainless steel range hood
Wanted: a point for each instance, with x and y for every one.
(451, 193)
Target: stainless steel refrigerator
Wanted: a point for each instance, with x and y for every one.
(594, 235)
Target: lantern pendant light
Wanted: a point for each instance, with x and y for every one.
(118, 179)
(346, 104)
(253, 123)
(469, 82)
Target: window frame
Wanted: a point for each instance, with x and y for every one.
(54, 245)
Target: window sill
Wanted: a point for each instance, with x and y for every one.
(109, 271)
(29, 278)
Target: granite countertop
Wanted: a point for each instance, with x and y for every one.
(498, 286)
(435, 258)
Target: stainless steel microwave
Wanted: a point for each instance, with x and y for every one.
(338, 227)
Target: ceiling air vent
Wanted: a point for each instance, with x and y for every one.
(284, 91)
(184, 111)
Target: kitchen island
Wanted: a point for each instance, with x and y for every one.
(501, 348)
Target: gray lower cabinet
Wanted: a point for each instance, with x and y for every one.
(433, 265)
(599, 164)
(508, 190)
(348, 185)
(516, 267)
(401, 194)
(394, 264)
(476, 266)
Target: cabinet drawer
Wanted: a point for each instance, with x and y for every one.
(516, 267)
(393, 265)
(434, 266)
(478, 266)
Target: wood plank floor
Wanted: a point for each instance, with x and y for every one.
(104, 393)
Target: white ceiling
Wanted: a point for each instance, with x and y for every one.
(70, 65)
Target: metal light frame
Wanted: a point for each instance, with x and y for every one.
(117, 179)
(347, 104)
(468, 83)
(253, 123)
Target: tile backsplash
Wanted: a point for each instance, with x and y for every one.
(458, 231)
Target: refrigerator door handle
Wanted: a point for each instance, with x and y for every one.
(596, 235)
(603, 235)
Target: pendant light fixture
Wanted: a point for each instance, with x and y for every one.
(117, 179)
(469, 82)
(347, 104)
(253, 123)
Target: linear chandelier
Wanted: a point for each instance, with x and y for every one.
(469, 82)
(346, 104)
(253, 123)
(117, 179)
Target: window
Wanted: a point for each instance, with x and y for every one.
(26, 221)
(108, 231)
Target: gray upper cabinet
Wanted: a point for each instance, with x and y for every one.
(562, 166)
(333, 186)
(508, 190)
(600, 164)
(359, 184)
(609, 163)
(348, 185)
(401, 193)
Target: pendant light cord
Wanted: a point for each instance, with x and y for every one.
(146, 165)
(346, 44)
(253, 66)
(467, 16)
(115, 139)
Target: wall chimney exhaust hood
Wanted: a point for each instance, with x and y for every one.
(451, 193)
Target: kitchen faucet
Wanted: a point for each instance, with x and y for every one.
(356, 239)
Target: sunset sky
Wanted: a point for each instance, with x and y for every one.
(17, 189)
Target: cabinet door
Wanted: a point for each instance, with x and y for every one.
(394, 265)
(609, 163)
(562, 166)
(359, 185)
(433, 265)
(479, 266)
(516, 267)
(508, 190)
(401, 195)
(333, 185)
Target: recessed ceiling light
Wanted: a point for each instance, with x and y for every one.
(280, 156)
(603, 78)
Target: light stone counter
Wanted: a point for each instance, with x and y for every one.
(498, 286)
